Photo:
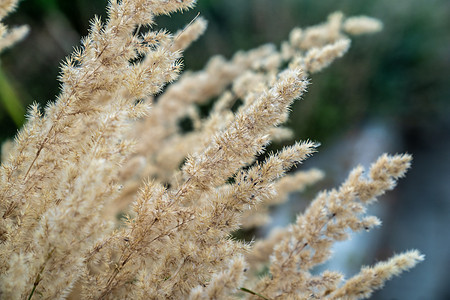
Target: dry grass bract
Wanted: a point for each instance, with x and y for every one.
(105, 146)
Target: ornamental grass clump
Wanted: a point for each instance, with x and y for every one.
(111, 143)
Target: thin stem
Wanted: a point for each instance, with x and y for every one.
(253, 293)
(38, 276)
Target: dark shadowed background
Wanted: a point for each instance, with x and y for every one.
(391, 93)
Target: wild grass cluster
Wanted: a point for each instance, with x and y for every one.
(111, 144)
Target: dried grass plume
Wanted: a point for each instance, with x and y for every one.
(105, 147)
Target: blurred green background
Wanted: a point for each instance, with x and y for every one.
(398, 79)
(401, 74)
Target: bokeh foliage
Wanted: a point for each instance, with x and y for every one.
(400, 74)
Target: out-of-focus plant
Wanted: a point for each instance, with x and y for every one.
(111, 143)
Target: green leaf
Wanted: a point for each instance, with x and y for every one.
(11, 101)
